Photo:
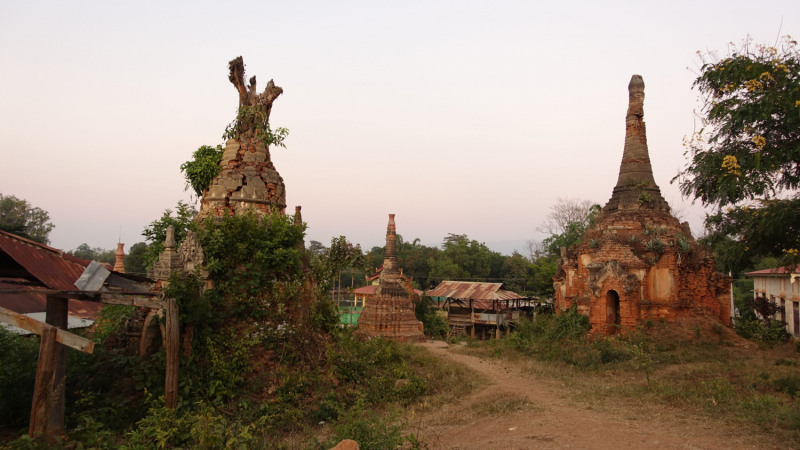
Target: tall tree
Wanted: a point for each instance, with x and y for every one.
(515, 272)
(745, 160)
(156, 232)
(17, 216)
(566, 212)
(573, 231)
(135, 259)
(83, 251)
(461, 258)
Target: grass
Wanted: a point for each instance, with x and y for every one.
(693, 369)
(357, 396)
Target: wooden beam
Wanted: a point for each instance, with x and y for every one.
(171, 344)
(36, 327)
(62, 293)
(129, 299)
(44, 391)
(142, 299)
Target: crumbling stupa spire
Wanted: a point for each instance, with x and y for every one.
(390, 312)
(636, 187)
(248, 180)
(119, 263)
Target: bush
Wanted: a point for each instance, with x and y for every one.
(435, 324)
(755, 330)
(18, 358)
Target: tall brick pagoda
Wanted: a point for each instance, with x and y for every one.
(636, 180)
(390, 313)
(248, 180)
(637, 261)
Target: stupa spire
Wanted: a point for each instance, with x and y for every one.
(636, 187)
(390, 312)
(119, 263)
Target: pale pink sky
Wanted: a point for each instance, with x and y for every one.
(459, 117)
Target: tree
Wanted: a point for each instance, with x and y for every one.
(18, 217)
(533, 249)
(566, 212)
(573, 232)
(97, 253)
(544, 269)
(415, 259)
(156, 232)
(745, 160)
(135, 259)
(461, 258)
(316, 248)
(515, 272)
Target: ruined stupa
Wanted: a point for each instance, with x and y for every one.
(248, 180)
(119, 262)
(390, 313)
(637, 261)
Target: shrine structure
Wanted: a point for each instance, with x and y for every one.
(390, 313)
(637, 261)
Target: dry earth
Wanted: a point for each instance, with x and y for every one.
(516, 411)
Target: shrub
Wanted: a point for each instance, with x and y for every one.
(18, 359)
(435, 325)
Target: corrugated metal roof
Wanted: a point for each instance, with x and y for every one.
(370, 290)
(31, 302)
(469, 290)
(785, 270)
(51, 266)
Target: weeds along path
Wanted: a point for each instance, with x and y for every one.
(514, 411)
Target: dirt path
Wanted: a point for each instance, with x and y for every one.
(537, 416)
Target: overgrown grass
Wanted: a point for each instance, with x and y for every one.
(361, 394)
(705, 370)
(267, 366)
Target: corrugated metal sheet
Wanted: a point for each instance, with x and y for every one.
(776, 271)
(468, 290)
(52, 267)
(370, 290)
(34, 303)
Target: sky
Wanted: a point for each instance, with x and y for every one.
(459, 117)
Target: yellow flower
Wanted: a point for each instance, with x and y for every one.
(767, 76)
(759, 141)
(753, 85)
(732, 165)
(782, 67)
(797, 104)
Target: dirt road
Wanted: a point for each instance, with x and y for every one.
(514, 411)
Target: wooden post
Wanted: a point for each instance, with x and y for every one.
(472, 331)
(44, 392)
(47, 413)
(171, 344)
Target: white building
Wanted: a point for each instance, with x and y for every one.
(781, 287)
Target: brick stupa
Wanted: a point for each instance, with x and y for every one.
(390, 313)
(637, 261)
(248, 180)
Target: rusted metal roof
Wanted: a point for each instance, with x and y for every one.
(31, 302)
(370, 290)
(52, 267)
(777, 271)
(468, 290)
